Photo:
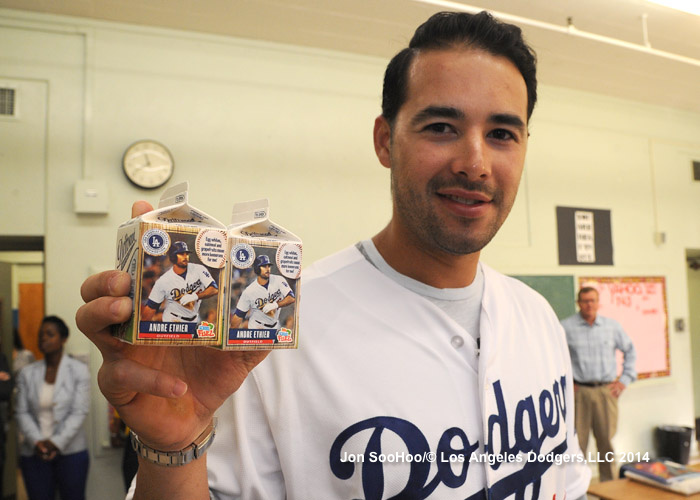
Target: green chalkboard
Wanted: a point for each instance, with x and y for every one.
(558, 290)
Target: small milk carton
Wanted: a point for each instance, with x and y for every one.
(176, 258)
(263, 289)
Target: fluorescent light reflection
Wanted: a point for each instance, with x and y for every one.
(689, 6)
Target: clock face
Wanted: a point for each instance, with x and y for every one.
(148, 164)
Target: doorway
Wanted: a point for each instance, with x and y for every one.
(21, 308)
(693, 270)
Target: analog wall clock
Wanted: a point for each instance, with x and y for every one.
(148, 164)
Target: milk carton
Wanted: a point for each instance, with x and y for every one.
(176, 257)
(263, 288)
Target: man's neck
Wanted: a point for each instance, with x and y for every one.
(179, 270)
(589, 319)
(428, 265)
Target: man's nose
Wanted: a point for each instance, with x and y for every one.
(471, 158)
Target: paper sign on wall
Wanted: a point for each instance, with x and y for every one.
(584, 236)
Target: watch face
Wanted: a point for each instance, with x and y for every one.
(148, 164)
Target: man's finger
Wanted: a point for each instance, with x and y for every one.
(121, 380)
(95, 317)
(140, 207)
(105, 284)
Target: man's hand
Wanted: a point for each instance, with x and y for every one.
(190, 297)
(166, 394)
(616, 388)
(269, 307)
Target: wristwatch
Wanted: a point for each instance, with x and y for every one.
(176, 458)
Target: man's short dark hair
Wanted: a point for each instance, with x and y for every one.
(59, 323)
(586, 289)
(446, 30)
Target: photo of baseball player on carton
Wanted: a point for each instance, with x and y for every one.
(263, 281)
(176, 257)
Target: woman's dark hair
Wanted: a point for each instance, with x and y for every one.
(60, 325)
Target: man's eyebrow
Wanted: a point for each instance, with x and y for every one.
(508, 119)
(437, 112)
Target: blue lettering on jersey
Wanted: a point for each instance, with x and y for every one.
(177, 293)
(273, 297)
(418, 487)
(530, 429)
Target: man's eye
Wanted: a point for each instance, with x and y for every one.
(439, 128)
(502, 134)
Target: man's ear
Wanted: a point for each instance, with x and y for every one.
(382, 140)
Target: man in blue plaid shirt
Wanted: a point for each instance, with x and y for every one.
(593, 340)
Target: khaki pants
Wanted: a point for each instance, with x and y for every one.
(596, 410)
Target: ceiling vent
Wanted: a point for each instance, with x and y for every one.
(7, 102)
(696, 170)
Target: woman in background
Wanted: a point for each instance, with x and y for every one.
(53, 399)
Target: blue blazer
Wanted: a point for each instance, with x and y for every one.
(71, 403)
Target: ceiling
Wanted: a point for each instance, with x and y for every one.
(383, 27)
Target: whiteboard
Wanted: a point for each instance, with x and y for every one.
(639, 304)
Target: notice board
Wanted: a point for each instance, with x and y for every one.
(639, 304)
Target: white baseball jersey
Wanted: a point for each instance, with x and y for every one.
(171, 287)
(387, 397)
(254, 298)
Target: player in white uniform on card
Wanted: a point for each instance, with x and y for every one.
(264, 298)
(182, 288)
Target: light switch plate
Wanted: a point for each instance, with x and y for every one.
(90, 197)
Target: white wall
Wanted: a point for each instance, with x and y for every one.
(246, 120)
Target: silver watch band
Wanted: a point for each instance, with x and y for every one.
(180, 457)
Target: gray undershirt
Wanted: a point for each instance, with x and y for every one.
(463, 305)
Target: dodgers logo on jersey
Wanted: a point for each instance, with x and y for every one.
(177, 293)
(273, 297)
(534, 427)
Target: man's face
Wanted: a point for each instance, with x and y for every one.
(265, 271)
(588, 304)
(182, 259)
(457, 148)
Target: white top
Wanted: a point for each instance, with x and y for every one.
(378, 371)
(45, 416)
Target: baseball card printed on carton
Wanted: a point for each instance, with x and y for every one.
(176, 257)
(263, 290)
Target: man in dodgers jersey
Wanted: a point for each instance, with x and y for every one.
(264, 297)
(182, 287)
(423, 372)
